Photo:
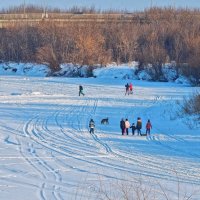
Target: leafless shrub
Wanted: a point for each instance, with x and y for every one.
(139, 189)
(192, 105)
(46, 54)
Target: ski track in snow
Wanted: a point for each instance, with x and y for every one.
(54, 140)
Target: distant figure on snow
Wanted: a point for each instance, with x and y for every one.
(133, 127)
(139, 125)
(148, 127)
(127, 89)
(81, 90)
(122, 126)
(131, 88)
(91, 126)
(127, 126)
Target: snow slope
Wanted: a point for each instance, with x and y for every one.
(46, 151)
(123, 71)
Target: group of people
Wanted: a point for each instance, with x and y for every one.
(129, 88)
(125, 125)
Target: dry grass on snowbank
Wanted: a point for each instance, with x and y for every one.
(192, 105)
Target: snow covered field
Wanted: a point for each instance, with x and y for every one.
(47, 153)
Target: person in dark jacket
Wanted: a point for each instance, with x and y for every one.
(133, 127)
(127, 89)
(139, 125)
(122, 126)
(81, 90)
(148, 127)
(91, 126)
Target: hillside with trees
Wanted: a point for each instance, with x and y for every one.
(162, 36)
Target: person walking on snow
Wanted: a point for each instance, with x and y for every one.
(139, 125)
(127, 89)
(148, 127)
(122, 126)
(81, 90)
(133, 127)
(91, 126)
(127, 126)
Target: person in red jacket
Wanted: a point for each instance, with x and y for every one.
(131, 88)
(148, 127)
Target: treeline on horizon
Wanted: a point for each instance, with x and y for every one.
(164, 35)
(30, 8)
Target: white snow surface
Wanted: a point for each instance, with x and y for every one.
(123, 71)
(47, 152)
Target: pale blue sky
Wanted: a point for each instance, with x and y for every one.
(130, 5)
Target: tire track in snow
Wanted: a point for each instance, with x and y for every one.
(21, 148)
(33, 134)
(28, 127)
(168, 136)
(94, 136)
(70, 136)
(190, 173)
(48, 171)
(64, 152)
(122, 157)
(95, 162)
(148, 162)
(48, 168)
(153, 165)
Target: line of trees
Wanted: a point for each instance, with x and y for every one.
(166, 35)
